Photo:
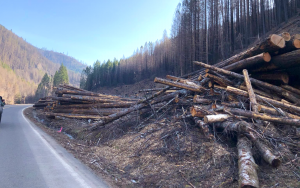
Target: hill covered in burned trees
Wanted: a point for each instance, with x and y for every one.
(202, 30)
(22, 67)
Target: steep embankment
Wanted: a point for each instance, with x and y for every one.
(23, 66)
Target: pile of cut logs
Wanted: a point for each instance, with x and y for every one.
(72, 102)
(248, 94)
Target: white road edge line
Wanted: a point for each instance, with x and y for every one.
(66, 165)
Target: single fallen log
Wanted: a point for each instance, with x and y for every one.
(75, 116)
(262, 93)
(181, 80)
(273, 111)
(72, 88)
(150, 90)
(69, 100)
(200, 111)
(72, 92)
(292, 89)
(97, 105)
(281, 76)
(265, 151)
(225, 78)
(247, 166)
(249, 62)
(100, 112)
(280, 104)
(200, 100)
(204, 127)
(251, 94)
(180, 85)
(40, 105)
(219, 80)
(91, 99)
(280, 90)
(216, 118)
(265, 117)
(236, 105)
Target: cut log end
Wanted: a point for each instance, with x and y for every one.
(266, 57)
(297, 36)
(200, 78)
(286, 36)
(296, 43)
(276, 163)
(278, 41)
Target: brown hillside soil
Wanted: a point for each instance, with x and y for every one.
(167, 152)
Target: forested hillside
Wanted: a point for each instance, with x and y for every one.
(202, 30)
(70, 62)
(23, 63)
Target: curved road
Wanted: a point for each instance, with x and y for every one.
(31, 158)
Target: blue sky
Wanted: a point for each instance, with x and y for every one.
(89, 30)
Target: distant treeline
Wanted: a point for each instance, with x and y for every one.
(202, 30)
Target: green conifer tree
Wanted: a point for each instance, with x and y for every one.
(44, 87)
(61, 76)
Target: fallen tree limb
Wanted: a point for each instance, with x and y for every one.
(102, 112)
(216, 118)
(251, 94)
(273, 111)
(97, 105)
(280, 104)
(281, 76)
(76, 116)
(179, 85)
(204, 127)
(265, 117)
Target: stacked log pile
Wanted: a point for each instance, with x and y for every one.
(44, 102)
(248, 94)
(72, 102)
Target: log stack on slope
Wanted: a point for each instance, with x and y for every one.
(72, 102)
(250, 94)
(239, 95)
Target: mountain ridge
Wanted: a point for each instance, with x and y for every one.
(28, 65)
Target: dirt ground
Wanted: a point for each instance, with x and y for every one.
(165, 152)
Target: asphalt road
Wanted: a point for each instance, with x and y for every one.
(30, 158)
